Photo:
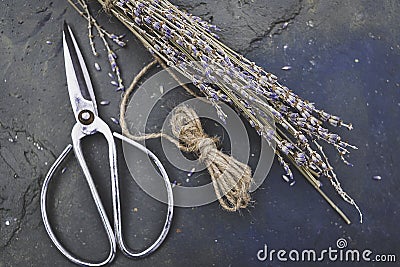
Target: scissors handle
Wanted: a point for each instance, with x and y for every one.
(77, 135)
(49, 230)
(114, 237)
(168, 219)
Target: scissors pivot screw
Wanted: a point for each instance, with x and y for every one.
(86, 117)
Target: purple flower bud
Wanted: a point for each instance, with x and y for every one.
(165, 27)
(336, 118)
(212, 78)
(156, 25)
(122, 3)
(147, 19)
(179, 41)
(286, 168)
(305, 114)
(110, 57)
(310, 106)
(222, 116)
(313, 121)
(214, 28)
(291, 100)
(223, 97)
(293, 115)
(272, 78)
(263, 80)
(120, 43)
(333, 122)
(215, 35)
(301, 122)
(302, 138)
(259, 90)
(299, 104)
(334, 138)
(214, 96)
(324, 116)
(246, 104)
(300, 158)
(283, 108)
(113, 66)
(208, 49)
(270, 134)
(169, 16)
(178, 25)
(114, 120)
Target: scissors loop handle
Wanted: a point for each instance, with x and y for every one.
(168, 219)
(114, 237)
(49, 230)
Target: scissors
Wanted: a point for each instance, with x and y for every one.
(88, 123)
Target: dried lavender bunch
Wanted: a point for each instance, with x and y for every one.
(191, 45)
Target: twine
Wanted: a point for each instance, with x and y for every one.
(231, 179)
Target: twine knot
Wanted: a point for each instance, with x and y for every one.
(206, 147)
(231, 178)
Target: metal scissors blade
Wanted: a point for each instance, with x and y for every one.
(80, 87)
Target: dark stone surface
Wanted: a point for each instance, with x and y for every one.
(345, 56)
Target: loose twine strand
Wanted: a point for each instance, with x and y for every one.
(231, 178)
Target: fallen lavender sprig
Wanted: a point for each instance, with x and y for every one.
(81, 7)
(191, 45)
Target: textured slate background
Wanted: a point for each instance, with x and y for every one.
(345, 56)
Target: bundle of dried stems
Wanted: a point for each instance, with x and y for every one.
(191, 45)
